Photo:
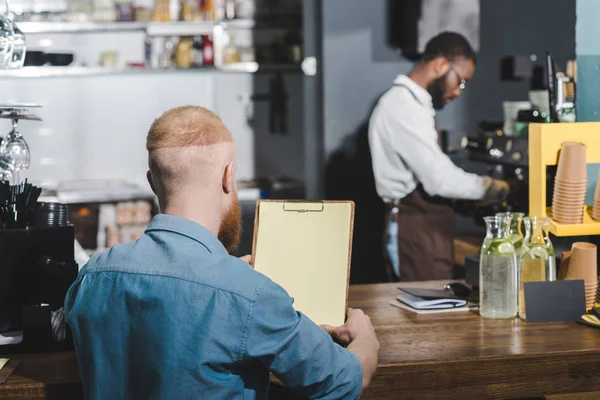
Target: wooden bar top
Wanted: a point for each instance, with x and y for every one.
(461, 355)
(436, 356)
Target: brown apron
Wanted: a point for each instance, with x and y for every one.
(425, 234)
(425, 237)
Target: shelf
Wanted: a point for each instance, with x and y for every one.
(159, 28)
(80, 27)
(151, 28)
(588, 227)
(253, 67)
(48, 72)
(180, 28)
(248, 24)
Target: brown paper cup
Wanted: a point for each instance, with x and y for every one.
(571, 195)
(569, 199)
(583, 263)
(570, 185)
(565, 191)
(570, 217)
(561, 208)
(565, 218)
(572, 163)
(568, 221)
(592, 290)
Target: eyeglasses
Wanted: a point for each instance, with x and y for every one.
(462, 83)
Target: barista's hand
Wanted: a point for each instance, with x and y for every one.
(247, 259)
(497, 191)
(358, 324)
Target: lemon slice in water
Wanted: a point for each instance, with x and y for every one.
(506, 247)
(539, 252)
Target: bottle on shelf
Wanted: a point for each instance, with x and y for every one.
(184, 53)
(148, 52)
(208, 53)
(167, 58)
(190, 11)
(174, 9)
(125, 10)
(104, 11)
(209, 10)
(161, 11)
(198, 52)
(229, 10)
(231, 53)
(143, 10)
(80, 11)
(246, 9)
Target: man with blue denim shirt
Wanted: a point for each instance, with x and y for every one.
(174, 316)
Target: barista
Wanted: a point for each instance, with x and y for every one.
(413, 176)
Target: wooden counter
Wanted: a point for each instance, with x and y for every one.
(440, 356)
(462, 356)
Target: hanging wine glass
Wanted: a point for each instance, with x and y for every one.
(6, 39)
(19, 43)
(19, 48)
(15, 146)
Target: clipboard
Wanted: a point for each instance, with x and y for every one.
(306, 247)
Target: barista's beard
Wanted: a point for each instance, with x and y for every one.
(437, 89)
(231, 227)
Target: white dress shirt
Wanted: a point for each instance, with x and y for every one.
(405, 150)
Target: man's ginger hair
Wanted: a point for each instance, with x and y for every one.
(188, 148)
(185, 127)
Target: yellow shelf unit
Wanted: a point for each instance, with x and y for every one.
(545, 141)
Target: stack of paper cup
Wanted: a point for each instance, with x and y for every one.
(583, 264)
(570, 184)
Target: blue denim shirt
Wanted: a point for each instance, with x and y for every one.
(173, 316)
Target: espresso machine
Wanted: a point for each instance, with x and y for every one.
(505, 157)
(503, 146)
(506, 154)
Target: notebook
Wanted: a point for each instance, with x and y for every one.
(429, 299)
(468, 307)
(305, 247)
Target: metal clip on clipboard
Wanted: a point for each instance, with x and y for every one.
(304, 206)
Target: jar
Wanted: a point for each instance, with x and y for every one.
(498, 271)
(537, 258)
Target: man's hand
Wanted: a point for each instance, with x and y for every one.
(358, 323)
(359, 336)
(247, 258)
(497, 191)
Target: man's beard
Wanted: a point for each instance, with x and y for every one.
(437, 90)
(231, 227)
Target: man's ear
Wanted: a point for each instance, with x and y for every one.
(229, 179)
(149, 177)
(441, 66)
